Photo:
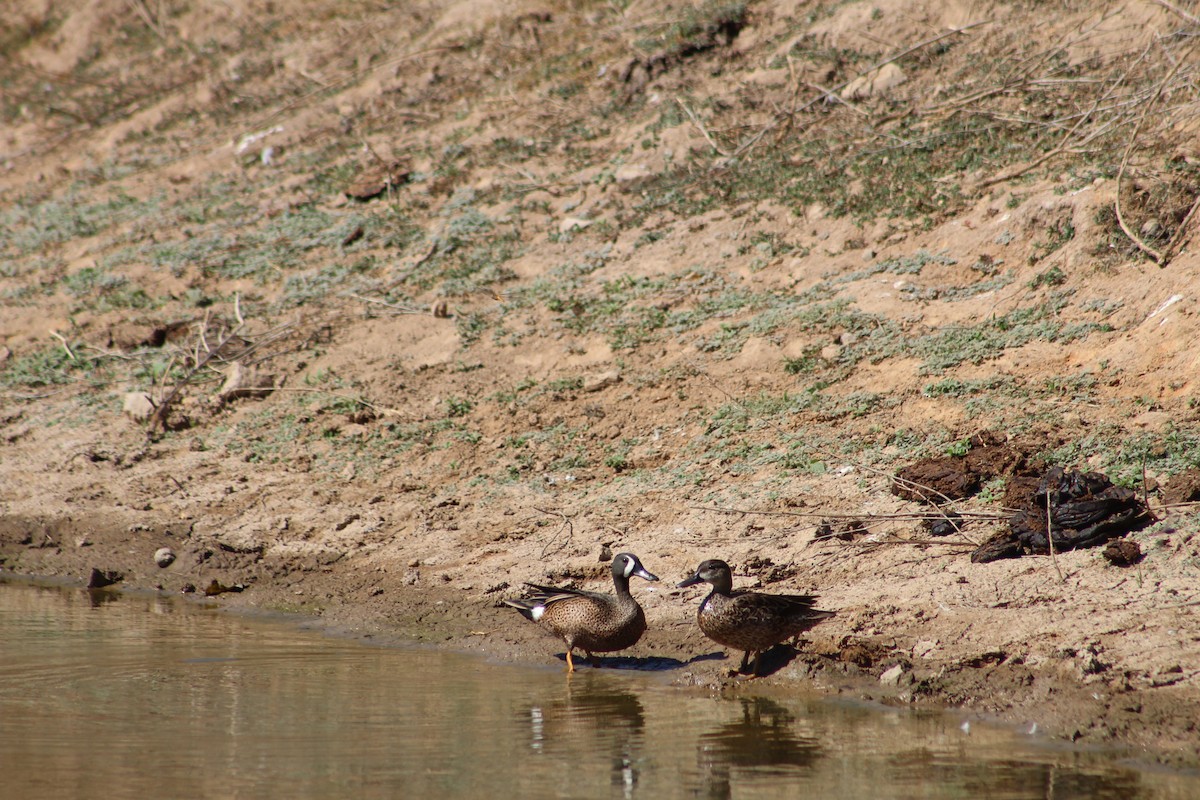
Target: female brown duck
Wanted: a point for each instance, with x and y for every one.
(593, 622)
(750, 621)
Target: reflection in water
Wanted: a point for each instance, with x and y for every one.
(153, 697)
(1010, 778)
(605, 718)
(764, 740)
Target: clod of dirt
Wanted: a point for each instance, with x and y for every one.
(376, 179)
(1184, 487)
(933, 480)
(1123, 553)
(126, 336)
(766, 570)
(242, 381)
(102, 578)
(844, 530)
(138, 406)
(1085, 510)
(937, 479)
(948, 524)
(877, 83)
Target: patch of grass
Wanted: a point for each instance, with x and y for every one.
(319, 284)
(104, 291)
(696, 29)
(954, 387)
(1057, 235)
(470, 327)
(51, 366)
(1126, 458)
(562, 385)
(807, 362)
(459, 406)
(32, 229)
(508, 396)
(975, 344)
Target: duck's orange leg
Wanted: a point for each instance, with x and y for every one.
(570, 663)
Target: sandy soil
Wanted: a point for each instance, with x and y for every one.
(402, 475)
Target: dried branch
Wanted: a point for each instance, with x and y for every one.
(1192, 18)
(567, 525)
(1050, 540)
(158, 420)
(393, 306)
(703, 130)
(898, 516)
(1158, 257)
(62, 340)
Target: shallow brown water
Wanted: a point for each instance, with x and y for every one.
(154, 697)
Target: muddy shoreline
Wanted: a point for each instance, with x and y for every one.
(1063, 700)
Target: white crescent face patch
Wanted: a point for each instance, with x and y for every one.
(630, 566)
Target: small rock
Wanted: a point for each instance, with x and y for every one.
(138, 406)
(83, 541)
(164, 557)
(631, 172)
(595, 383)
(924, 649)
(377, 179)
(241, 381)
(411, 577)
(891, 677)
(874, 84)
(605, 553)
(568, 224)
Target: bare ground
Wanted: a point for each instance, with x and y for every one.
(603, 306)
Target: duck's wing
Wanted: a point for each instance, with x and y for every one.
(790, 606)
(548, 595)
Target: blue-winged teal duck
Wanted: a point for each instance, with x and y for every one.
(591, 621)
(750, 621)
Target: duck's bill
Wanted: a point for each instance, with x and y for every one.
(642, 573)
(692, 581)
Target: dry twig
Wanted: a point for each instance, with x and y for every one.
(62, 340)
(1159, 258)
(567, 525)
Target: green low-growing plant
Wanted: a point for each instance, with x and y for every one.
(459, 406)
(50, 366)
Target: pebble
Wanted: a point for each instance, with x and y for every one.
(891, 677)
(164, 557)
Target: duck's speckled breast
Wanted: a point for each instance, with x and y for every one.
(734, 622)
